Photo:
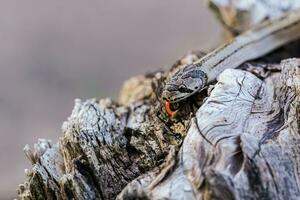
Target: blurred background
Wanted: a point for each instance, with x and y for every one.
(54, 51)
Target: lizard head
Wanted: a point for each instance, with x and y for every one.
(184, 83)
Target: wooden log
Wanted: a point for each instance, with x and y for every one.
(238, 140)
(105, 145)
(242, 143)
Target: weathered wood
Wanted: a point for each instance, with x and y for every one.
(238, 140)
(239, 16)
(105, 145)
(243, 143)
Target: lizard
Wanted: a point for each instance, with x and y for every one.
(254, 43)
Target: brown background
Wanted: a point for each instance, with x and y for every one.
(54, 51)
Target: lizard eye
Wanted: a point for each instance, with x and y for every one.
(182, 88)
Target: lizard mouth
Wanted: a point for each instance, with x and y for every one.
(171, 98)
(184, 97)
(178, 99)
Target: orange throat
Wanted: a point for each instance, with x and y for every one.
(171, 113)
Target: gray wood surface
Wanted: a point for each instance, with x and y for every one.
(242, 143)
(240, 139)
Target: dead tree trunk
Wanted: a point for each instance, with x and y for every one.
(240, 141)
